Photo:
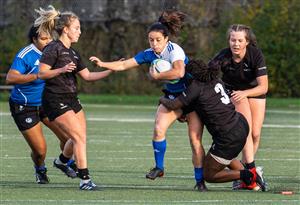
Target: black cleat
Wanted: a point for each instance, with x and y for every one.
(41, 177)
(65, 169)
(200, 186)
(154, 173)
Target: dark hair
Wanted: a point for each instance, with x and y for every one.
(169, 22)
(33, 33)
(250, 36)
(202, 72)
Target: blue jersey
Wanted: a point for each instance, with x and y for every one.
(27, 62)
(172, 52)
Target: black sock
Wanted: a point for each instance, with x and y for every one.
(63, 159)
(250, 165)
(246, 176)
(83, 174)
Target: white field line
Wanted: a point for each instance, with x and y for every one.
(150, 158)
(97, 201)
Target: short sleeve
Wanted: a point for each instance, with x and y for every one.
(80, 64)
(177, 53)
(49, 55)
(19, 65)
(260, 64)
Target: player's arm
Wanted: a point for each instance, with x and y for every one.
(15, 77)
(177, 71)
(171, 104)
(115, 65)
(45, 71)
(93, 76)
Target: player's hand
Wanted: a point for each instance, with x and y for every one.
(238, 95)
(153, 73)
(68, 68)
(96, 60)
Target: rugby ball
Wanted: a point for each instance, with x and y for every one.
(161, 65)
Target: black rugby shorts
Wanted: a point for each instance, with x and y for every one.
(24, 116)
(56, 105)
(229, 145)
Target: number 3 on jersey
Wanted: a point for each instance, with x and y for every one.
(219, 88)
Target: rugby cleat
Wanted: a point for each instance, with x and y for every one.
(65, 169)
(154, 173)
(88, 186)
(72, 164)
(260, 181)
(41, 177)
(200, 186)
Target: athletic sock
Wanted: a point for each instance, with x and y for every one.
(246, 176)
(62, 159)
(198, 173)
(83, 174)
(40, 168)
(159, 148)
(250, 165)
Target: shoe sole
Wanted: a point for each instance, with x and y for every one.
(153, 178)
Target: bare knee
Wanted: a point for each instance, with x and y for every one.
(255, 136)
(159, 132)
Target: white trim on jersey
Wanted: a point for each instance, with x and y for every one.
(25, 51)
(28, 49)
(25, 102)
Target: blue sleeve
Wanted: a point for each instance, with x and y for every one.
(19, 65)
(144, 57)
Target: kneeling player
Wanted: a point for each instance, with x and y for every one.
(229, 129)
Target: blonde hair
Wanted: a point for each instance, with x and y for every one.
(52, 22)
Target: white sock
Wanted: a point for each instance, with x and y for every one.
(84, 181)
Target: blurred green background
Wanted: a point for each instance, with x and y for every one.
(114, 29)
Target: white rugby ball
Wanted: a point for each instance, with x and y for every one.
(161, 65)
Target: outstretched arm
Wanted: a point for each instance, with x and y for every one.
(93, 76)
(115, 65)
(171, 104)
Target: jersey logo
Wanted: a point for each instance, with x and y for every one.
(37, 62)
(62, 106)
(28, 120)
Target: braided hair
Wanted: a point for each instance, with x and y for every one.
(203, 72)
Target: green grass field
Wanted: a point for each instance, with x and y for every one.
(120, 153)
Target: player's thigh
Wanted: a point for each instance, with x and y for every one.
(61, 135)
(164, 117)
(35, 139)
(258, 108)
(70, 124)
(243, 107)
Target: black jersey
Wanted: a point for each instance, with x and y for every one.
(57, 55)
(242, 75)
(212, 105)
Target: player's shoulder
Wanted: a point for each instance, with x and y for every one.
(28, 51)
(171, 46)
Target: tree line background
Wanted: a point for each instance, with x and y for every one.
(114, 29)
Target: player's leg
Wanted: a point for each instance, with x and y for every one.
(258, 108)
(243, 107)
(63, 138)
(195, 128)
(163, 119)
(35, 139)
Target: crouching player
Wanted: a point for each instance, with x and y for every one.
(229, 129)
